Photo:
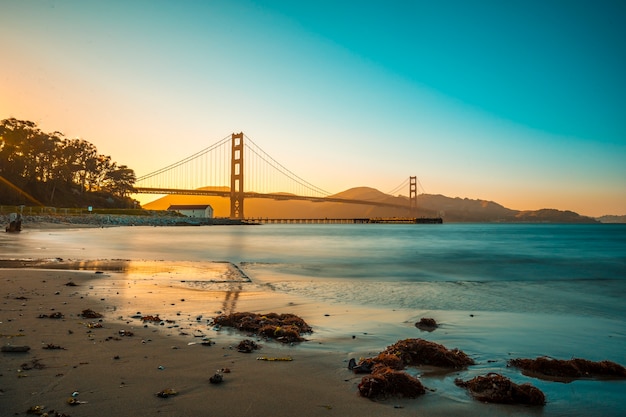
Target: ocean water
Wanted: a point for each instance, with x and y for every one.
(506, 268)
(499, 290)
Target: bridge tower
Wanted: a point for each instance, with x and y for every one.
(236, 176)
(413, 196)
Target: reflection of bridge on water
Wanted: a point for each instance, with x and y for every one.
(219, 171)
(231, 296)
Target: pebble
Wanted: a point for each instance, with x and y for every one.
(10, 348)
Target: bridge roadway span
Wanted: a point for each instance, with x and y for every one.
(215, 193)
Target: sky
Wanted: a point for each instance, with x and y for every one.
(518, 102)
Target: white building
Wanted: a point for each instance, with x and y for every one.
(194, 210)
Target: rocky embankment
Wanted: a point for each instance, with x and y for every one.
(110, 220)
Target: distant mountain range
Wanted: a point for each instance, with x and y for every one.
(450, 209)
(611, 219)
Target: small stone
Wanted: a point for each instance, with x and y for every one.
(216, 379)
(15, 348)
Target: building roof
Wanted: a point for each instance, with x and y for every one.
(189, 207)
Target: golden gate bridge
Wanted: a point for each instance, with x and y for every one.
(218, 170)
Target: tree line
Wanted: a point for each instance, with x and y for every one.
(50, 169)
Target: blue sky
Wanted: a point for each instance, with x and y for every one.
(519, 102)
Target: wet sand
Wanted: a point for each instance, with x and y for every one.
(115, 365)
(112, 373)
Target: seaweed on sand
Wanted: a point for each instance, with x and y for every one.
(387, 379)
(151, 318)
(548, 368)
(381, 360)
(247, 346)
(90, 314)
(385, 382)
(495, 388)
(424, 352)
(56, 315)
(286, 328)
(413, 352)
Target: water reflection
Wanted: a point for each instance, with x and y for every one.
(231, 296)
(190, 272)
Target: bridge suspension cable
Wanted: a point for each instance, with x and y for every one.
(403, 186)
(263, 179)
(421, 188)
(185, 160)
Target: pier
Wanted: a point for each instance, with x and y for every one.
(374, 220)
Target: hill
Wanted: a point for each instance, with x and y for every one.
(611, 219)
(451, 209)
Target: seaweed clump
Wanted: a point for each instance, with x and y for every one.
(386, 378)
(495, 388)
(426, 324)
(412, 352)
(548, 368)
(56, 315)
(90, 314)
(247, 346)
(286, 328)
(424, 352)
(368, 365)
(385, 382)
(151, 318)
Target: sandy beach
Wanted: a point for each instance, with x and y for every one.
(111, 372)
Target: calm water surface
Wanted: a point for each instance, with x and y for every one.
(510, 268)
(501, 290)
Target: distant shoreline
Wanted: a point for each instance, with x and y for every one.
(47, 221)
(54, 221)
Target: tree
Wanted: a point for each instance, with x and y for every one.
(120, 181)
(14, 146)
(42, 163)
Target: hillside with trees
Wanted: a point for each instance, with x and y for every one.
(39, 168)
